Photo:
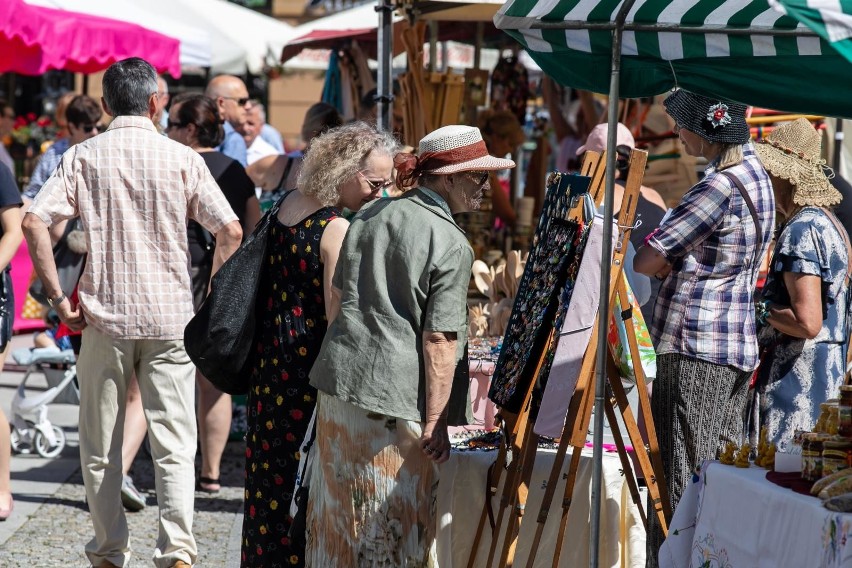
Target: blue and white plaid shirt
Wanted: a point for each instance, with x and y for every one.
(45, 166)
(705, 308)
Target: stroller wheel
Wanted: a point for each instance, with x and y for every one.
(43, 447)
(21, 444)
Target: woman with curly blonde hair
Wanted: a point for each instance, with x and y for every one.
(346, 167)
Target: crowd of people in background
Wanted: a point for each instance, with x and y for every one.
(362, 302)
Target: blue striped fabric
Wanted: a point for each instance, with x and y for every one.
(705, 308)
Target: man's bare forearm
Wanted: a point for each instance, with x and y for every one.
(227, 242)
(439, 357)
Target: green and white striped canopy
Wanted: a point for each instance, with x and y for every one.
(791, 55)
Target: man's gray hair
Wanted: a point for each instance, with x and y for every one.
(261, 110)
(128, 86)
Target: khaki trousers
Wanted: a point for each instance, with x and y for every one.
(167, 384)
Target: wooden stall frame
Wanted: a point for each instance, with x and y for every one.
(521, 441)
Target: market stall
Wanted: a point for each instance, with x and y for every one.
(731, 516)
(745, 52)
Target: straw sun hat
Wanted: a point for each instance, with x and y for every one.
(793, 152)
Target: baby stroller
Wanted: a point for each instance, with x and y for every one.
(31, 429)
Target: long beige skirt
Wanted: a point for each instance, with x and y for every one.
(372, 491)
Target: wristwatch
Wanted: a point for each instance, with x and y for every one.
(53, 302)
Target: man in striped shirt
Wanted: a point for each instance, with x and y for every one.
(134, 191)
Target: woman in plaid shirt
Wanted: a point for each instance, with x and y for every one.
(707, 254)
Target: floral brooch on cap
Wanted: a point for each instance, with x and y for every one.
(718, 115)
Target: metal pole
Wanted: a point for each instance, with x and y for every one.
(477, 46)
(678, 28)
(384, 96)
(433, 45)
(603, 310)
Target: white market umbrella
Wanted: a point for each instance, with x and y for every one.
(258, 38)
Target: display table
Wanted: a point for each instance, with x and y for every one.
(731, 517)
(461, 494)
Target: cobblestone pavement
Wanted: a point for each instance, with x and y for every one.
(50, 524)
(59, 529)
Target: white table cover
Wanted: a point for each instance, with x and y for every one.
(734, 518)
(461, 494)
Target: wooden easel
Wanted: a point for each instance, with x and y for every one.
(522, 442)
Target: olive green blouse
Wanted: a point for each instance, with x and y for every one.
(404, 269)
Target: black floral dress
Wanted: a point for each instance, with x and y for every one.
(291, 324)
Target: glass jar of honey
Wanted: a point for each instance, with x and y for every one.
(832, 425)
(820, 426)
(836, 455)
(844, 412)
(812, 448)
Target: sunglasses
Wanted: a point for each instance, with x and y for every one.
(240, 101)
(376, 185)
(171, 124)
(479, 177)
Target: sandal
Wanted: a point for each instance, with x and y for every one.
(205, 485)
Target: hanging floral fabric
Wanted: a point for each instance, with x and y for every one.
(510, 87)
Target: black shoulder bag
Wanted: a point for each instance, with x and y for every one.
(219, 337)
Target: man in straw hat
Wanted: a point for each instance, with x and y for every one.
(805, 302)
(385, 373)
(707, 254)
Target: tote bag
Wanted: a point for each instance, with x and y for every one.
(219, 337)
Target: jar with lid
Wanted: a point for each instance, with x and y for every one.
(832, 424)
(823, 417)
(812, 448)
(844, 412)
(836, 455)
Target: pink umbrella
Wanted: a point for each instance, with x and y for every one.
(34, 39)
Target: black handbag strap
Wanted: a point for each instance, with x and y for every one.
(751, 208)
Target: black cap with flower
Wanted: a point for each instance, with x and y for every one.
(712, 119)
